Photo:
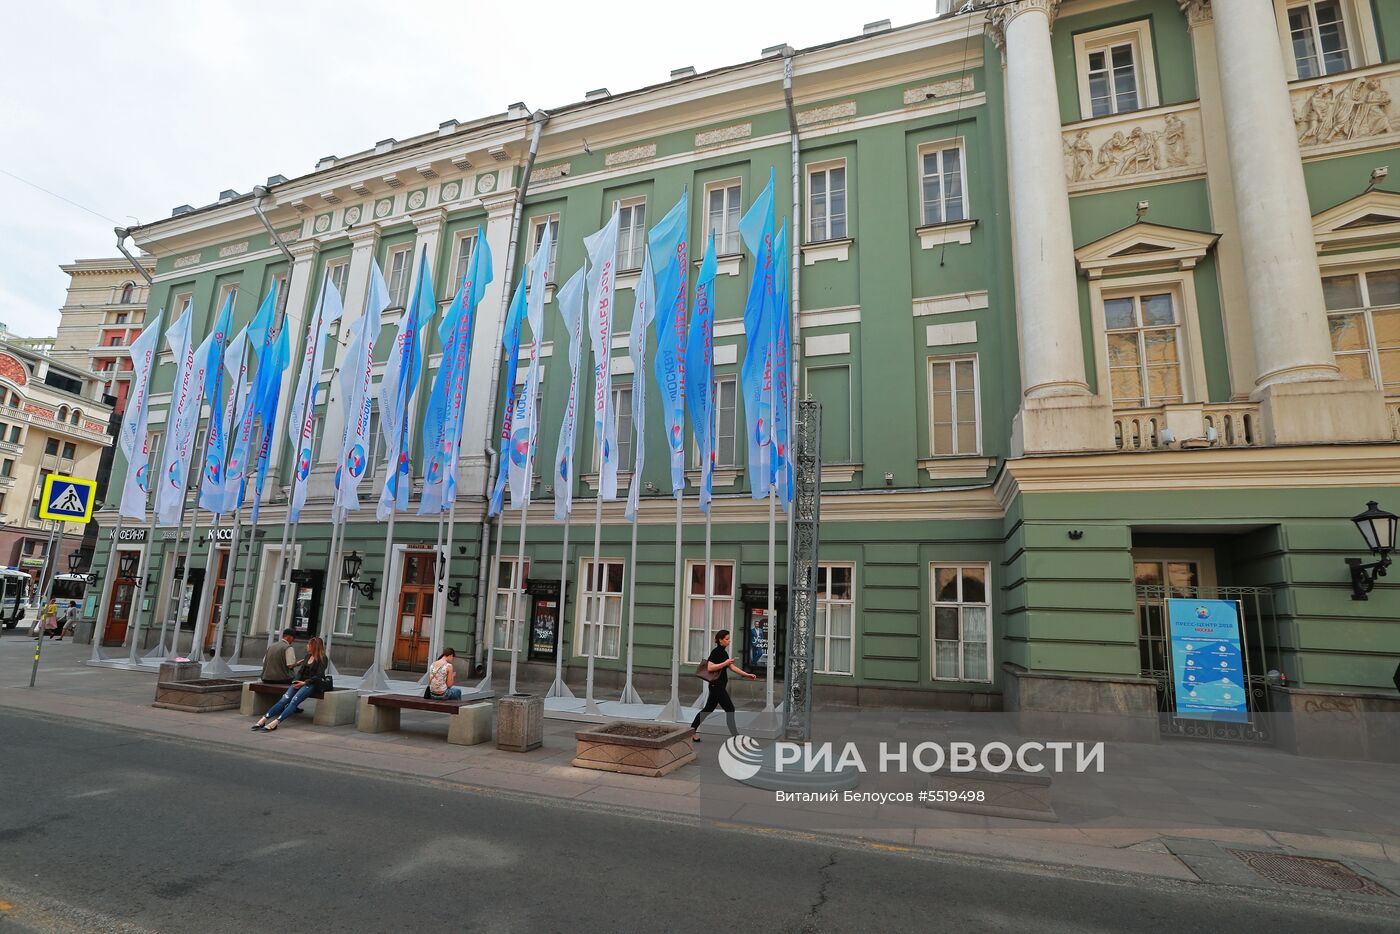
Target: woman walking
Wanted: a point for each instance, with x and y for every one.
(311, 676)
(718, 696)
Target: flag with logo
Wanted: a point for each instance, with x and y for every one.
(781, 461)
(523, 428)
(602, 262)
(267, 393)
(301, 424)
(666, 243)
(510, 346)
(211, 484)
(642, 314)
(571, 309)
(222, 495)
(397, 386)
(260, 340)
(134, 438)
(186, 398)
(357, 397)
(756, 228)
(699, 371)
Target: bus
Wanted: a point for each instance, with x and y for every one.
(67, 587)
(15, 586)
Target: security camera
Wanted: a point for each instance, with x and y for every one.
(1379, 173)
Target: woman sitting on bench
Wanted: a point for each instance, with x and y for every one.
(441, 676)
(311, 677)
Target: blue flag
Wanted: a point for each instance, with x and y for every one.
(756, 228)
(510, 346)
(268, 393)
(396, 390)
(260, 340)
(780, 462)
(211, 484)
(699, 371)
(642, 314)
(571, 309)
(666, 245)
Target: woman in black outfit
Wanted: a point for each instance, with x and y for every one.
(719, 693)
(310, 677)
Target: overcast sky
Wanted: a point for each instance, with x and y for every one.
(129, 109)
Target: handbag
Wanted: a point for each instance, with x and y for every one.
(703, 672)
(326, 683)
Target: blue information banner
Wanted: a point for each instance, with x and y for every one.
(1207, 663)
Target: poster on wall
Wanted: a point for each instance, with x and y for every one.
(1207, 660)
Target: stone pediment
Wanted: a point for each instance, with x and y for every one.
(1144, 246)
(1369, 219)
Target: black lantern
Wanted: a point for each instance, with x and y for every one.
(76, 560)
(127, 563)
(350, 573)
(1377, 528)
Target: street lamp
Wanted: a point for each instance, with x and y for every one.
(1377, 528)
(350, 574)
(127, 564)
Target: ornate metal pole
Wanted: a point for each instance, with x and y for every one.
(802, 564)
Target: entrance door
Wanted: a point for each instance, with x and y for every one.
(415, 628)
(119, 612)
(219, 583)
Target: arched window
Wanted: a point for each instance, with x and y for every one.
(63, 413)
(128, 292)
(77, 418)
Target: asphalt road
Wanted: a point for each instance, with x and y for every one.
(126, 831)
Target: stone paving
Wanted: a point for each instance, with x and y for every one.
(1125, 818)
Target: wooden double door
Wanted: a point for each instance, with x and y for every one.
(414, 631)
(124, 593)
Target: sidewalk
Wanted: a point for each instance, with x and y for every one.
(1173, 809)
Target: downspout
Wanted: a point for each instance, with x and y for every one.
(122, 233)
(539, 119)
(794, 278)
(260, 192)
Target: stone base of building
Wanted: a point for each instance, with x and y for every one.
(1336, 724)
(1085, 707)
(1322, 412)
(1062, 425)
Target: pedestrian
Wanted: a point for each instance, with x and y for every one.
(280, 660)
(50, 621)
(70, 619)
(311, 676)
(441, 676)
(720, 663)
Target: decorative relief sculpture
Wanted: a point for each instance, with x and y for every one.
(1139, 151)
(1351, 110)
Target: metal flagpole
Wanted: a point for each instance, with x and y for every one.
(107, 585)
(333, 574)
(518, 593)
(216, 666)
(771, 625)
(485, 683)
(672, 712)
(189, 547)
(444, 567)
(206, 592)
(559, 688)
(142, 569)
(259, 435)
(177, 597)
(374, 680)
(709, 598)
(629, 693)
(437, 593)
(589, 705)
(159, 650)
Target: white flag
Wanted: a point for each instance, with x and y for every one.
(134, 440)
(602, 260)
(301, 423)
(571, 308)
(356, 381)
(522, 439)
(642, 316)
(187, 397)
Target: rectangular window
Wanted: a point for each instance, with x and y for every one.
(400, 272)
(1144, 353)
(51, 447)
(961, 623)
(1113, 83)
(1363, 315)
(8, 468)
(600, 598)
(69, 451)
(1318, 31)
(835, 630)
(375, 443)
(339, 273)
(466, 242)
(14, 434)
(179, 302)
(722, 216)
(537, 228)
(631, 232)
(508, 582)
(622, 406)
(196, 460)
(726, 420)
(831, 385)
(121, 317)
(941, 184)
(153, 455)
(954, 413)
(699, 634)
(826, 202)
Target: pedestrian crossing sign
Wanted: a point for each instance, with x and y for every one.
(67, 499)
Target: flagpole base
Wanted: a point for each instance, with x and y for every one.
(559, 689)
(700, 700)
(485, 684)
(590, 706)
(671, 713)
(216, 667)
(330, 667)
(374, 681)
(630, 695)
(157, 652)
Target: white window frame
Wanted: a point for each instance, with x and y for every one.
(536, 234)
(587, 604)
(632, 238)
(1139, 329)
(1139, 36)
(501, 632)
(221, 296)
(1349, 18)
(727, 241)
(727, 617)
(1180, 282)
(625, 441)
(935, 603)
(940, 146)
(951, 361)
(1372, 352)
(826, 232)
(338, 271)
(735, 461)
(460, 260)
(1362, 42)
(398, 291)
(822, 657)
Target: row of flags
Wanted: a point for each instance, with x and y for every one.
(240, 376)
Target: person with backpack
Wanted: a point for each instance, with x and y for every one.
(441, 675)
(718, 665)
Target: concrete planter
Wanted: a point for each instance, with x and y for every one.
(178, 671)
(203, 695)
(634, 748)
(520, 723)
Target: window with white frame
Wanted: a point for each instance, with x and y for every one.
(700, 640)
(462, 255)
(722, 210)
(154, 440)
(726, 421)
(400, 272)
(1317, 30)
(941, 184)
(537, 228)
(374, 443)
(622, 408)
(179, 302)
(1363, 315)
(835, 632)
(961, 623)
(339, 273)
(954, 406)
(509, 583)
(196, 467)
(826, 202)
(600, 598)
(1115, 70)
(631, 232)
(1143, 332)
(1113, 80)
(226, 292)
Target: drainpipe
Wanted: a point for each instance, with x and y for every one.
(794, 279)
(260, 192)
(539, 119)
(122, 233)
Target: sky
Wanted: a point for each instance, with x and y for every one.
(123, 110)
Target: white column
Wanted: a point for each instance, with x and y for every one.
(363, 243)
(1291, 343)
(300, 290)
(486, 344)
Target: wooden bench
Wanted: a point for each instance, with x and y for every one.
(470, 724)
(333, 708)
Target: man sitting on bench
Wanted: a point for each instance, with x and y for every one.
(441, 676)
(280, 660)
